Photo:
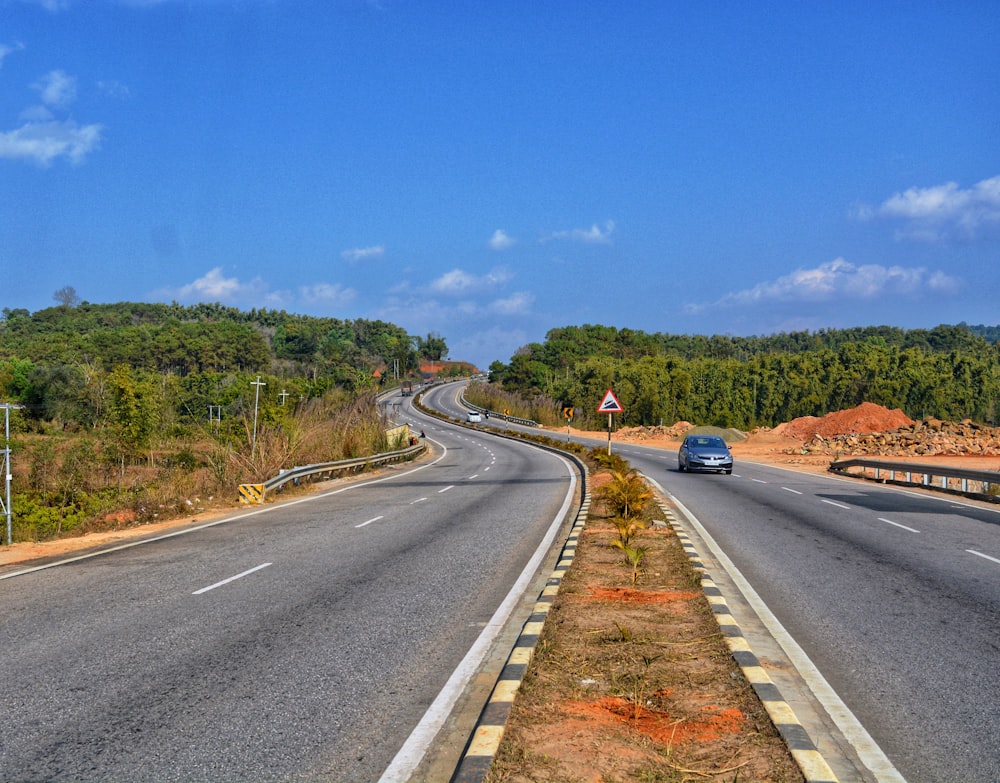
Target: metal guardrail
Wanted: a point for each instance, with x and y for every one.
(981, 483)
(500, 416)
(342, 466)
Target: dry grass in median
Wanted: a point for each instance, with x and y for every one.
(632, 680)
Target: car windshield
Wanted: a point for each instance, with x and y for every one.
(707, 441)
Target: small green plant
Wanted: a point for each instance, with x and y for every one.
(634, 555)
(624, 633)
(626, 494)
(627, 528)
(639, 685)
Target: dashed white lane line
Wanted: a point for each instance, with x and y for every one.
(838, 505)
(474, 475)
(793, 491)
(418, 500)
(980, 554)
(230, 579)
(759, 481)
(373, 519)
(445, 489)
(897, 524)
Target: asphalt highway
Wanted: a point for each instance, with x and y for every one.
(893, 596)
(307, 640)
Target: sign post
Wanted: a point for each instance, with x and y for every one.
(610, 405)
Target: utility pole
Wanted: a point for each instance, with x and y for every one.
(256, 399)
(5, 501)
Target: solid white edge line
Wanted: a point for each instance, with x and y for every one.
(870, 754)
(420, 739)
(231, 579)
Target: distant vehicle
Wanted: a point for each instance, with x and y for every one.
(474, 416)
(407, 388)
(704, 452)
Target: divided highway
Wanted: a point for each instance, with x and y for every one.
(301, 641)
(893, 595)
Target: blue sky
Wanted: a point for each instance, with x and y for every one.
(488, 171)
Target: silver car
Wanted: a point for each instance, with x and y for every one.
(704, 452)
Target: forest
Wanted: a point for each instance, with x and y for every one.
(57, 362)
(134, 411)
(948, 372)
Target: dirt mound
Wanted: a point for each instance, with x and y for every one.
(867, 417)
(677, 432)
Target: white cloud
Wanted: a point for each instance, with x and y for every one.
(934, 213)
(43, 142)
(500, 240)
(57, 89)
(839, 280)
(518, 303)
(214, 287)
(6, 49)
(595, 235)
(114, 89)
(356, 254)
(43, 138)
(327, 293)
(458, 282)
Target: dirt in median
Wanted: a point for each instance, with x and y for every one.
(635, 682)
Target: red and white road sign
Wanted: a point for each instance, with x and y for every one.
(610, 404)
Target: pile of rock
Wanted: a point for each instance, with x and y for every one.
(930, 437)
(660, 432)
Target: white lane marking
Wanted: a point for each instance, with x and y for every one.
(890, 522)
(980, 554)
(474, 475)
(373, 519)
(230, 579)
(838, 505)
(793, 491)
(452, 486)
(226, 519)
(759, 481)
(416, 746)
(418, 500)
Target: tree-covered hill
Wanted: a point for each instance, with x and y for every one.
(950, 372)
(208, 338)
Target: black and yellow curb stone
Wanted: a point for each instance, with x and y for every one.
(814, 767)
(485, 742)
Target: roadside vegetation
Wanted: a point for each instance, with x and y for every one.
(493, 397)
(129, 413)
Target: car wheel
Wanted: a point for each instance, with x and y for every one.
(729, 472)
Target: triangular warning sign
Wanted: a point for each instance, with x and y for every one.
(610, 404)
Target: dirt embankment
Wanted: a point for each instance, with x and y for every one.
(869, 430)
